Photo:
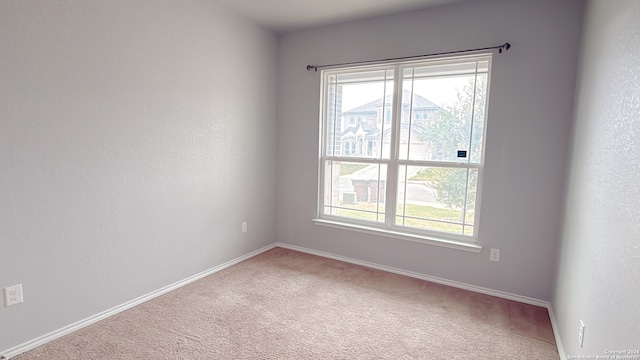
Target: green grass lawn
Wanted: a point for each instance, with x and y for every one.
(348, 169)
(423, 213)
(423, 175)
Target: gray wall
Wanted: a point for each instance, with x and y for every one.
(599, 273)
(135, 136)
(527, 143)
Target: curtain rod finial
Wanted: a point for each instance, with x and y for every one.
(506, 46)
(311, 67)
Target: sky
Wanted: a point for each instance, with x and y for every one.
(441, 91)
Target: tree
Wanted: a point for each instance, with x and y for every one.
(450, 130)
(451, 184)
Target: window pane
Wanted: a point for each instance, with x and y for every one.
(359, 109)
(477, 136)
(385, 123)
(333, 117)
(436, 198)
(448, 103)
(452, 99)
(472, 192)
(355, 190)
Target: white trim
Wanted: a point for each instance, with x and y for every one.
(452, 244)
(556, 333)
(456, 284)
(9, 353)
(395, 159)
(14, 351)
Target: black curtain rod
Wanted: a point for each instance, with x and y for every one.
(500, 48)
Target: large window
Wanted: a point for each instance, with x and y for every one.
(420, 171)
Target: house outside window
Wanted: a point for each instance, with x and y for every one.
(420, 173)
(349, 147)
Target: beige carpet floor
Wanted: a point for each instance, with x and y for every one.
(284, 304)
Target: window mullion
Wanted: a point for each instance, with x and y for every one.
(392, 168)
(464, 206)
(470, 150)
(473, 112)
(322, 167)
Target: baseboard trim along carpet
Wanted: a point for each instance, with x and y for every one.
(437, 280)
(556, 333)
(110, 312)
(7, 354)
(456, 284)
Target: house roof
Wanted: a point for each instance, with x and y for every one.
(418, 102)
(369, 130)
(417, 129)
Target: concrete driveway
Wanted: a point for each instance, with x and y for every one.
(417, 193)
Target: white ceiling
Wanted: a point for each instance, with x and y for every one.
(289, 15)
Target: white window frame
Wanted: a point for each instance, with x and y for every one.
(389, 228)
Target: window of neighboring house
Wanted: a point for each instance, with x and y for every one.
(387, 115)
(359, 119)
(424, 179)
(369, 147)
(349, 147)
(352, 120)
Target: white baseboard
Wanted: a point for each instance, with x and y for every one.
(456, 284)
(105, 314)
(556, 333)
(7, 354)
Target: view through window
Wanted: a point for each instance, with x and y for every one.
(403, 146)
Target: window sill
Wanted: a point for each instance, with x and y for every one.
(452, 244)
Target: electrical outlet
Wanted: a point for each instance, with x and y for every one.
(244, 227)
(12, 295)
(495, 255)
(581, 333)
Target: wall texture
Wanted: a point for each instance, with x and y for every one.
(135, 136)
(528, 135)
(599, 272)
